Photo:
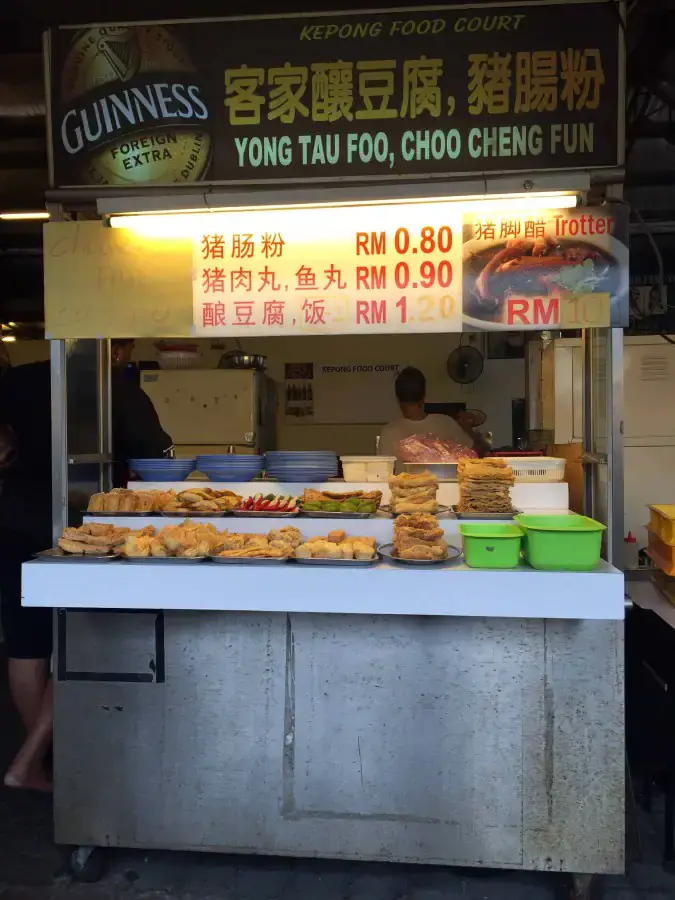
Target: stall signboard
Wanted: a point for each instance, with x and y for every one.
(409, 268)
(441, 91)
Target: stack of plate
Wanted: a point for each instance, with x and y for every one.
(311, 465)
(161, 469)
(231, 466)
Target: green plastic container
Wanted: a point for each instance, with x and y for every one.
(561, 543)
(491, 545)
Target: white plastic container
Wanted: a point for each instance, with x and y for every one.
(537, 468)
(367, 468)
(178, 359)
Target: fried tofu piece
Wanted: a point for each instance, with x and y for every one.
(326, 550)
(346, 548)
(363, 551)
(96, 503)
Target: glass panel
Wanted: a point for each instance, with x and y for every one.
(602, 414)
(82, 396)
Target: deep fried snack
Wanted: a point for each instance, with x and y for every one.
(417, 551)
(96, 503)
(412, 480)
(81, 549)
(361, 550)
(422, 521)
(325, 550)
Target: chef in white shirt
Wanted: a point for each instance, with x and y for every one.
(410, 387)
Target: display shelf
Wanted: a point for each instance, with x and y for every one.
(450, 589)
(527, 496)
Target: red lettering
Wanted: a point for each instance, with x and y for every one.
(517, 309)
(362, 312)
(379, 311)
(371, 243)
(362, 277)
(549, 315)
(371, 278)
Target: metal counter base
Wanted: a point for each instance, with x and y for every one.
(459, 741)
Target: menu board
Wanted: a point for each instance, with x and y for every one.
(409, 268)
(522, 86)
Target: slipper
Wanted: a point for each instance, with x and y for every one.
(11, 781)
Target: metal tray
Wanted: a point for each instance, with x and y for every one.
(192, 515)
(356, 563)
(447, 512)
(494, 517)
(320, 514)
(164, 560)
(56, 554)
(265, 514)
(118, 515)
(385, 550)
(249, 560)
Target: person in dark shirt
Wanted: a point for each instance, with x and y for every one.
(26, 528)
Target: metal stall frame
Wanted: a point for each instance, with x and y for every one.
(165, 200)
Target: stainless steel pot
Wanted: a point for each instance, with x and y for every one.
(236, 359)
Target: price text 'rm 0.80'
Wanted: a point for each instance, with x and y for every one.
(429, 240)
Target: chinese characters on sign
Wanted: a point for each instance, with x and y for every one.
(375, 89)
(438, 272)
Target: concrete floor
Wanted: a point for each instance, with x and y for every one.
(32, 868)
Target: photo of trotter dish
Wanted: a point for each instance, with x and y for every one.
(538, 256)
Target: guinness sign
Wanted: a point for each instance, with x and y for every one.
(327, 97)
(133, 108)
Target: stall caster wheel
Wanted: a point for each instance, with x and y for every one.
(87, 864)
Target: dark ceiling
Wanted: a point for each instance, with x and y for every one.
(650, 35)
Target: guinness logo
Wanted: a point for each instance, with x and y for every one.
(133, 110)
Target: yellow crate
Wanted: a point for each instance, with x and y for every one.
(662, 522)
(661, 554)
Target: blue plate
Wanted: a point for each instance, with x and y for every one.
(162, 463)
(227, 458)
(162, 474)
(230, 476)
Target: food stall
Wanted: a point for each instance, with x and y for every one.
(433, 714)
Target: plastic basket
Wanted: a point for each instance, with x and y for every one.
(568, 543)
(537, 468)
(662, 522)
(491, 545)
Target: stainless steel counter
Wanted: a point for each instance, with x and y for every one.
(469, 741)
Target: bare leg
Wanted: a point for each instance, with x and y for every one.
(27, 769)
(27, 681)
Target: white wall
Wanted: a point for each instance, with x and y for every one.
(501, 380)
